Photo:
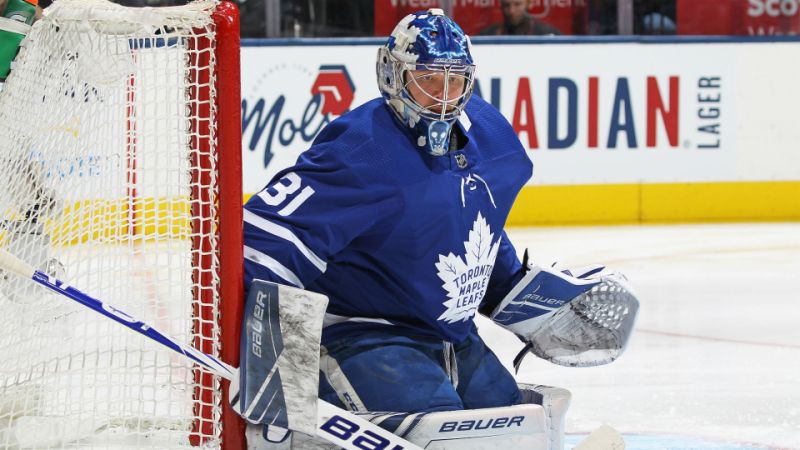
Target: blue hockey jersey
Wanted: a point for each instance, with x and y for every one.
(391, 234)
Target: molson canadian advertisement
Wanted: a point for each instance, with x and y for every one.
(584, 116)
(617, 131)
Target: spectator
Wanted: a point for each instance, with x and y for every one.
(517, 21)
(602, 17)
(654, 17)
(327, 18)
(252, 18)
(657, 23)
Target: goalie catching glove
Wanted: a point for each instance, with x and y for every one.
(579, 320)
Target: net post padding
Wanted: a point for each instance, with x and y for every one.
(229, 145)
(225, 128)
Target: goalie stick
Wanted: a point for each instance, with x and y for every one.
(333, 424)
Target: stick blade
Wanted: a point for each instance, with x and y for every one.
(603, 438)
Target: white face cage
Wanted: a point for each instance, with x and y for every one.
(427, 98)
(437, 91)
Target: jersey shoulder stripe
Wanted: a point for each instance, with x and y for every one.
(286, 234)
(266, 261)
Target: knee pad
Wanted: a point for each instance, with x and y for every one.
(555, 402)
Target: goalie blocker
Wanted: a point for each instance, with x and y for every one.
(579, 321)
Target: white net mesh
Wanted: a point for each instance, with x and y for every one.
(107, 181)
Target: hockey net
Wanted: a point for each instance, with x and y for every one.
(120, 175)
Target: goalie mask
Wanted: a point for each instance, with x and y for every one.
(426, 74)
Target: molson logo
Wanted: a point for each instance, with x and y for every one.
(570, 113)
(568, 98)
(330, 94)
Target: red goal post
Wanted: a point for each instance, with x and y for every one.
(229, 144)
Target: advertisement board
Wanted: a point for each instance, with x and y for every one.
(739, 17)
(582, 119)
(614, 129)
(474, 16)
(573, 17)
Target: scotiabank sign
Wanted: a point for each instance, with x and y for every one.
(739, 17)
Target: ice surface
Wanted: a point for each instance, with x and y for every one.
(714, 361)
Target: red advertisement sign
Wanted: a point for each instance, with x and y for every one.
(568, 16)
(389, 12)
(739, 17)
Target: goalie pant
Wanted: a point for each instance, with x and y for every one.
(365, 367)
(373, 367)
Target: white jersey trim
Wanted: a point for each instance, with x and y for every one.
(465, 122)
(274, 266)
(333, 319)
(283, 233)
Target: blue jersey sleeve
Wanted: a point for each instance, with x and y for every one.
(310, 212)
(506, 273)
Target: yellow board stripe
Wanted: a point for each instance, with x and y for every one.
(657, 203)
(147, 218)
(115, 221)
(108, 221)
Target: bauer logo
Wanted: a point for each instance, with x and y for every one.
(543, 301)
(347, 431)
(482, 424)
(276, 116)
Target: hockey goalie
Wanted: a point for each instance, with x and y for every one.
(396, 214)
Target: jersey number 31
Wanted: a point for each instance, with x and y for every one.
(285, 188)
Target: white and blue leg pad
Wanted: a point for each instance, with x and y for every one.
(279, 367)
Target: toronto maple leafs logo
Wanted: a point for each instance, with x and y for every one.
(466, 279)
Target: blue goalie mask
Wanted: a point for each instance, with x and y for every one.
(426, 74)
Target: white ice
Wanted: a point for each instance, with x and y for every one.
(716, 350)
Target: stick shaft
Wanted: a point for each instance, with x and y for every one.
(20, 268)
(211, 363)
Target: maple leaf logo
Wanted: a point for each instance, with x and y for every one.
(466, 279)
